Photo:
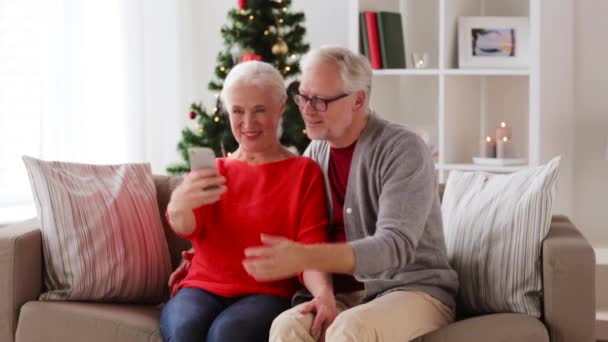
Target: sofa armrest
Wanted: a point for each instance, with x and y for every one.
(569, 283)
(20, 272)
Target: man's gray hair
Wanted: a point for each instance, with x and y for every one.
(355, 69)
(259, 73)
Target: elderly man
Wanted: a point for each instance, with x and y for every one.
(393, 279)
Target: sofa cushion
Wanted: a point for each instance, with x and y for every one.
(164, 187)
(491, 328)
(91, 322)
(102, 236)
(494, 227)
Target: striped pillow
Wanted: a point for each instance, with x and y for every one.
(101, 231)
(494, 227)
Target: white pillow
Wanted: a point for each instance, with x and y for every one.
(494, 227)
(101, 231)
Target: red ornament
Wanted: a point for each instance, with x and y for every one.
(250, 56)
(242, 4)
(192, 115)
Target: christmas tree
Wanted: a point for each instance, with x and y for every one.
(258, 30)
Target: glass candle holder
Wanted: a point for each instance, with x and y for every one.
(420, 60)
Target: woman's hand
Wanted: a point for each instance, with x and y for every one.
(199, 188)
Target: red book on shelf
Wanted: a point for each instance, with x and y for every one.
(372, 37)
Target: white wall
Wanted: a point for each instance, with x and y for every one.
(591, 128)
(168, 81)
(557, 96)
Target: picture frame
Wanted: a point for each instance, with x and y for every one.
(493, 42)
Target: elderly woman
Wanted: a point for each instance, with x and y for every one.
(261, 189)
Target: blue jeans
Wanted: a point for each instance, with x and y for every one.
(197, 315)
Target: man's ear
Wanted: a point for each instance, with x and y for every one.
(360, 100)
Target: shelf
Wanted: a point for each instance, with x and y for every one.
(452, 72)
(485, 168)
(454, 108)
(405, 72)
(486, 72)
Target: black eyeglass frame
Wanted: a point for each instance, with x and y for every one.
(315, 101)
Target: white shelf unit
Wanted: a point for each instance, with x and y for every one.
(455, 108)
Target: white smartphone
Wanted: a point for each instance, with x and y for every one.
(201, 158)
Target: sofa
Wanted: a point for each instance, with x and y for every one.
(568, 266)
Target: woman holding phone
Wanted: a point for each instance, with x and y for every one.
(263, 188)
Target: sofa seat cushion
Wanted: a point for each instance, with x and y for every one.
(491, 328)
(91, 322)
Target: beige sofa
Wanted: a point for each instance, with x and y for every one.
(568, 273)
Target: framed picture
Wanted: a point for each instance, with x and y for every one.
(493, 42)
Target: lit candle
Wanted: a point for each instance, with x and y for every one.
(421, 59)
(504, 148)
(487, 148)
(502, 131)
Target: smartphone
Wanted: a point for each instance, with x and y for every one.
(201, 158)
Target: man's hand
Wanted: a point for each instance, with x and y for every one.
(278, 258)
(324, 309)
(181, 271)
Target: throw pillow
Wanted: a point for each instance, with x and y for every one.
(101, 230)
(494, 227)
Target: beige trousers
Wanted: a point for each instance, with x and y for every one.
(397, 316)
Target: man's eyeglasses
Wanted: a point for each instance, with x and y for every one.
(318, 104)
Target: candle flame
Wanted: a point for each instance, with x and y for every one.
(505, 139)
(503, 124)
(488, 139)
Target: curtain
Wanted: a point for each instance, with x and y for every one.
(89, 81)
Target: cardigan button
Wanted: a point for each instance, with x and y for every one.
(349, 211)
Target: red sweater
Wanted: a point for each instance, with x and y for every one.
(284, 198)
(338, 171)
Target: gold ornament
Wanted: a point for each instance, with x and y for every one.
(280, 47)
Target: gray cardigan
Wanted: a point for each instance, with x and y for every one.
(392, 214)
